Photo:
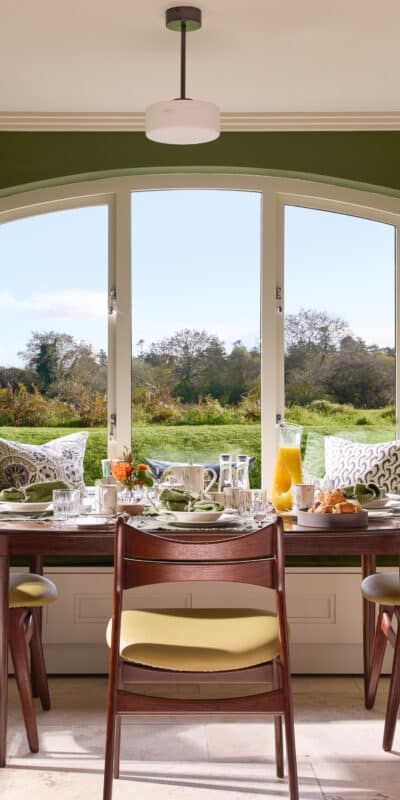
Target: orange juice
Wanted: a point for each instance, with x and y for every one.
(287, 471)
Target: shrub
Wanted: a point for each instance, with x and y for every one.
(362, 421)
(250, 407)
(19, 407)
(88, 405)
(209, 412)
(388, 413)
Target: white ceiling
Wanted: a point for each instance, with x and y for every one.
(250, 56)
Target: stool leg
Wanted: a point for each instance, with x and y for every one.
(36, 566)
(377, 655)
(392, 708)
(37, 662)
(19, 618)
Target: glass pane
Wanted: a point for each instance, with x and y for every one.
(196, 324)
(339, 328)
(53, 325)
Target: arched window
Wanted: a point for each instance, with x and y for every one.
(124, 265)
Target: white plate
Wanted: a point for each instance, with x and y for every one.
(200, 517)
(377, 502)
(382, 513)
(25, 508)
(94, 523)
(226, 523)
(383, 503)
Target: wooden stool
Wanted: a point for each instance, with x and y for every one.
(28, 593)
(384, 589)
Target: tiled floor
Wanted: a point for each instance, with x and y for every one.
(339, 750)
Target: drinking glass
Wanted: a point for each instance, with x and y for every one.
(246, 505)
(261, 506)
(225, 472)
(66, 503)
(242, 471)
(106, 467)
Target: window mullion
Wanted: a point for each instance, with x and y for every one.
(120, 327)
(271, 331)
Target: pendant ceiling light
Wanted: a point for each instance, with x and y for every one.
(182, 121)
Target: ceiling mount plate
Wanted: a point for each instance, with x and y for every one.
(178, 14)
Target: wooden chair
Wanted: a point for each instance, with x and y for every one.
(384, 590)
(28, 594)
(199, 645)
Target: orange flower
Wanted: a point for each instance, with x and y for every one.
(142, 467)
(121, 471)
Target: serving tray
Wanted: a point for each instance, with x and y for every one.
(334, 521)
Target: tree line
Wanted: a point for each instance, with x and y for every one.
(323, 360)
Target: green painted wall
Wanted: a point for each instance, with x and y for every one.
(366, 157)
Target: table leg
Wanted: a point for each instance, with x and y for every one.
(368, 567)
(4, 573)
(36, 565)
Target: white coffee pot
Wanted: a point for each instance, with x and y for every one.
(191, 476)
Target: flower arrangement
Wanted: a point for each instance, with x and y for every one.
(130, 475)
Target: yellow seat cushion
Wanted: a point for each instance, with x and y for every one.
(28, 590)
(382, 588)
(204, 640)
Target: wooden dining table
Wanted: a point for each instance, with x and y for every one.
(41, 538)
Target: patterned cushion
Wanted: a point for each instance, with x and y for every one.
(350, 462)
(158, 467)
(61, 459)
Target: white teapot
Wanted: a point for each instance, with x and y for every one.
(191, 476)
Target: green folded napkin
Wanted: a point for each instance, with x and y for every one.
(42, 492)
(11, 495)
(178, 499)
(207, 505)
(171, 506)
(363, 492)
(34, 493)
(182, 500)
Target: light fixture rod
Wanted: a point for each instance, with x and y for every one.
(183, 120)
(183, 60)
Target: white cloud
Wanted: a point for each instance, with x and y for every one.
(69, 304)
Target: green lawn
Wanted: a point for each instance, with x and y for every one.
(205, 442)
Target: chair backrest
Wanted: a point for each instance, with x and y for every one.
(143, 558)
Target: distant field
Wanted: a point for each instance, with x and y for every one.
(205, 442)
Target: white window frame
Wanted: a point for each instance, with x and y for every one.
(115, 192)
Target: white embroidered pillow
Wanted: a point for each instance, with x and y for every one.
(351, 462)
(60, 459)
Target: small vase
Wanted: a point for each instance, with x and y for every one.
(136, 495)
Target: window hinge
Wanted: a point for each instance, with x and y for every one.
(279, 298)
(113, 426)
(112, 302)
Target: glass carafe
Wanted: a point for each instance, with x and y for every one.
(225, 472)
(287, 470)
(242, 471)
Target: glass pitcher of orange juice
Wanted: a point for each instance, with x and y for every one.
(287, 470)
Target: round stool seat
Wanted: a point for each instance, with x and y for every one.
(382, 588)
(28, 590)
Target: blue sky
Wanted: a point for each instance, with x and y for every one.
(196, 257)
(344, 265)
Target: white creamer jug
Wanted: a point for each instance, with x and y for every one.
(192, 476)
(106, 499)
